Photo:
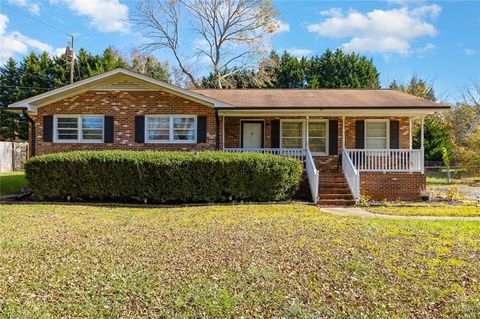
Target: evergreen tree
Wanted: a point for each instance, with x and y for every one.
(333, 69)
(10, 123)
(149, 65)
(39, 73)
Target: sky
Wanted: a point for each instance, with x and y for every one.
(437, 40)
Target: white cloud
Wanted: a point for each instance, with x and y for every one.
(469, 51)
(32, 6)
(332, 12)
(379, 31)
(58, 51)
(282, 27)
(421, 52)
(299, 52)
(105, 15)
(13, 43)
(407, 2)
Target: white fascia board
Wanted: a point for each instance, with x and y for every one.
(326, 112)
(32, 103)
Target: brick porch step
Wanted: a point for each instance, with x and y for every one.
(335, 196)
(334, 190)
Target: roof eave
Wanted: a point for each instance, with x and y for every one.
(33, 102)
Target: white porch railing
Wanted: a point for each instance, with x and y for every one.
(352, 175)
(297, 153)
(387, 160)
(313, 175)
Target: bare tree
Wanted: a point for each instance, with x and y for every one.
(230, 32)
(472, 97)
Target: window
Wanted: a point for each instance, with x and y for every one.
(292, 135)
(79, 129)
(170, 128)
(317, 137)
(376, 134)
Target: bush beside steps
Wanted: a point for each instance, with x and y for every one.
(163, 177)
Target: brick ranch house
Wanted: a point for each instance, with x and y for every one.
(354, 141)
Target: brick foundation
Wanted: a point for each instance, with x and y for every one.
(392, 186)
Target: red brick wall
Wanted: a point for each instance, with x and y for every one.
(124, 106)
(392, 186)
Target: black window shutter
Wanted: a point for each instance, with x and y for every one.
(275, 134)
(395, 134)
(108, 129)
(48, 128)
(139, 129)
(360, 134)
(333, 137)
(201, 129)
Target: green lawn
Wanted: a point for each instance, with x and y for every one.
(11, 182)
(232, 261)
(427, 210)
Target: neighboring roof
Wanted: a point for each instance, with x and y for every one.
(117, 79)
(319, 98)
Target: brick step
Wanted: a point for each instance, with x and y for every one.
(335, 196)
(335, 190)
(331, 180)
(333, 185)
(335, 202)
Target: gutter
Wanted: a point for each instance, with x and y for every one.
(349, 108)
(32, 122)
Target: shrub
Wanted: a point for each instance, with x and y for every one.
(163, 177)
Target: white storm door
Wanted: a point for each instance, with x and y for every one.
(252, 134)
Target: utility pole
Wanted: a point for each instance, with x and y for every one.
(72, 59)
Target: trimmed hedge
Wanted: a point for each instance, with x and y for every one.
(163, 177)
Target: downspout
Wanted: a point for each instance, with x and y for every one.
(217, 129)
(32, 122)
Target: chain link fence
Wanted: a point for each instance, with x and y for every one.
(453, 174)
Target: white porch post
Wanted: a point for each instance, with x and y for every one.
(422, 146)
(343, 132)
(223, 132)
(410, 133)
(306, 133)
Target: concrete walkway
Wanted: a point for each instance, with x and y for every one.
(358, 212)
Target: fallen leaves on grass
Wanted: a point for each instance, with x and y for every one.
(232, 261)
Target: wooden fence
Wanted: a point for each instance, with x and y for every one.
(13, 156)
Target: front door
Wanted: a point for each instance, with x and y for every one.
(252, 134)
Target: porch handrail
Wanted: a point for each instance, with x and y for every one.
(387, 160)
(313, 175)
(298, 153)
(352, 174)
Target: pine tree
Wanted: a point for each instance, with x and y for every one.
(10, 123)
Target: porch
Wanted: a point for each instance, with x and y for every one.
(338, 151)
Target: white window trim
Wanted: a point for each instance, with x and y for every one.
(305, 133)
(327, 137)
(387, 127)
(79, 128)
(170, 132)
